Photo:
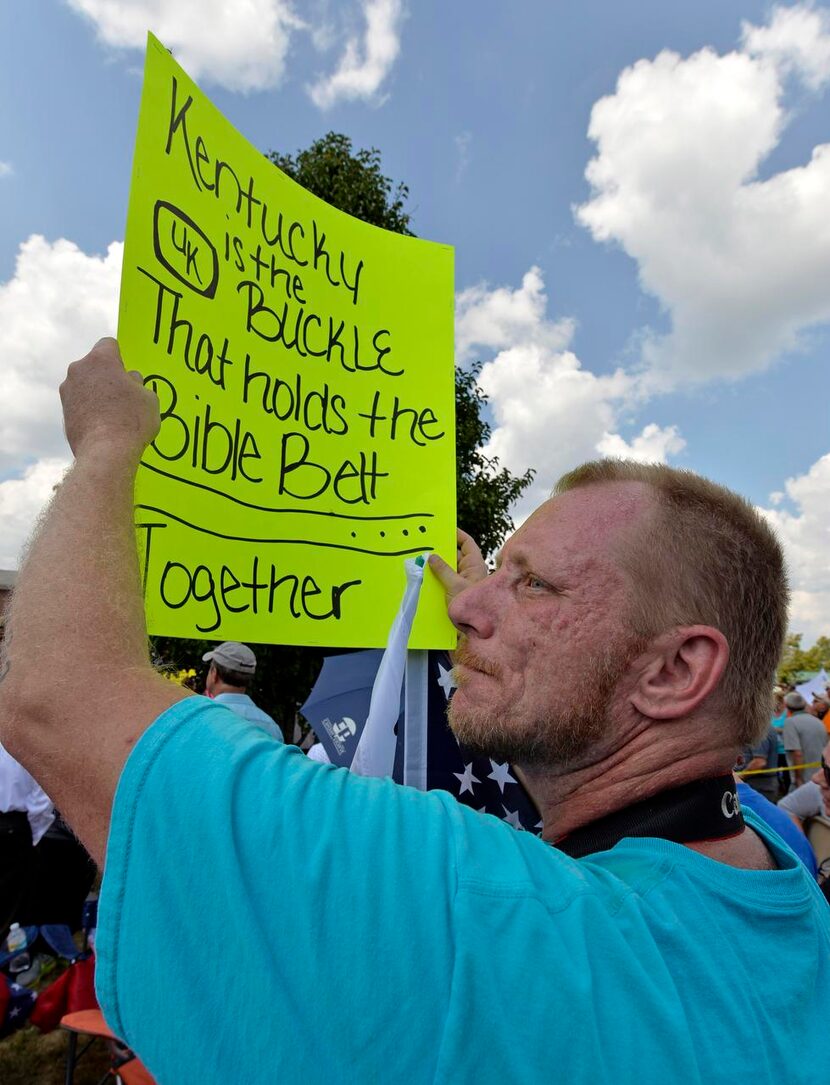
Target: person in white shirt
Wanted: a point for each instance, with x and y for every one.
(26, 812)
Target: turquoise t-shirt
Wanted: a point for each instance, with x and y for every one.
(265, 918)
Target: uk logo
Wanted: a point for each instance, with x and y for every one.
(340, 732)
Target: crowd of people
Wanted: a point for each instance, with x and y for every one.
(619, 658)
(796, 746)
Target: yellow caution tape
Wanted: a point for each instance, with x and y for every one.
(783, 768)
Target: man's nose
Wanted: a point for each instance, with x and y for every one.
(472, 610)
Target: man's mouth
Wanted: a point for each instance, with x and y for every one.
(465, 657)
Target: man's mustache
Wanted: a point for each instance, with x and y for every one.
(468, 658)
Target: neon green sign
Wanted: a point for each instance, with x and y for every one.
(303, 363)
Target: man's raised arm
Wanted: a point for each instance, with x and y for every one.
(77, 689)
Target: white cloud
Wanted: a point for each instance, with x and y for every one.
(501, 317)
(242, 46)
(245, 46)
(57, 304)
(805, 534)
(653, 445)
(549, 412)
(21, 500)
(6, 169)
(797, 40)
(742, 266)
(365, 63)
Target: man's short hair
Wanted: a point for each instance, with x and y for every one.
(795, 702)
(231, 678)
(707, 557)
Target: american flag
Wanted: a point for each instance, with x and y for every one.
(342, 696)
(16, 1004)
(489, 786)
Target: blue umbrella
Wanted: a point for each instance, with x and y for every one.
(338, 704)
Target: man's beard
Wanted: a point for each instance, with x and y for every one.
(559, 738)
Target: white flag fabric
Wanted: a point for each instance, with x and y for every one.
(815, 685)
(375, 753)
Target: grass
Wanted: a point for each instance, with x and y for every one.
(31, 1058)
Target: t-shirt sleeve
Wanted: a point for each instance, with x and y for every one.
(760, 749)
(804, 801)
(792, 740)
(261, 910)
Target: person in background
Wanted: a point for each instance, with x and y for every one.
(232, 666)
(822, 778)
(26, 812)
(779, 712)
(762, 755)
(802, 802)
(61, 877)
(821, 709)
(804, 737)
(806, 801)
(317, 752)
(779, 718)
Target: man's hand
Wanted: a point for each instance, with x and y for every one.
(471, 566)
(104, 406)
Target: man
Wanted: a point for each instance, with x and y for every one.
(806, 801)
(804, 737)
(821, 707)
(822, 778)
(26, 812)
(232, 666)
(762, 755)
(622, 653)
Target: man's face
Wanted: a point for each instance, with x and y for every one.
(210, 681)
(546, 641)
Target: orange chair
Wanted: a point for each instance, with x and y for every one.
(125, 1066)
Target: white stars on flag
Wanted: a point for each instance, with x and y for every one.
(501, 774)
(512, 818)
(466, 779)
(446, 680)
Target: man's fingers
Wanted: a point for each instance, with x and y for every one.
(471, 563)
(445, 573)
(104, 404)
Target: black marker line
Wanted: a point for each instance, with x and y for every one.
(269, 508)
(290, 542)
(147, 546)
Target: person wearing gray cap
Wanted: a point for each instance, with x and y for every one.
(232, 666)
(804, 737)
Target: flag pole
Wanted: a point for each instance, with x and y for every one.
(415, 719)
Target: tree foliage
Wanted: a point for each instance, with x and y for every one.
(485, 491)
(353, 181)
(795, 660)
(349, 180)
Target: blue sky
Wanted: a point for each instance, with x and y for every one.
(673, 304)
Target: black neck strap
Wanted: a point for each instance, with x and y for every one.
(702, 810)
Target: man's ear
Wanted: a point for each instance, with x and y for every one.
(684, 667)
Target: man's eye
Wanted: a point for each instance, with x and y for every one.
(535, 583)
